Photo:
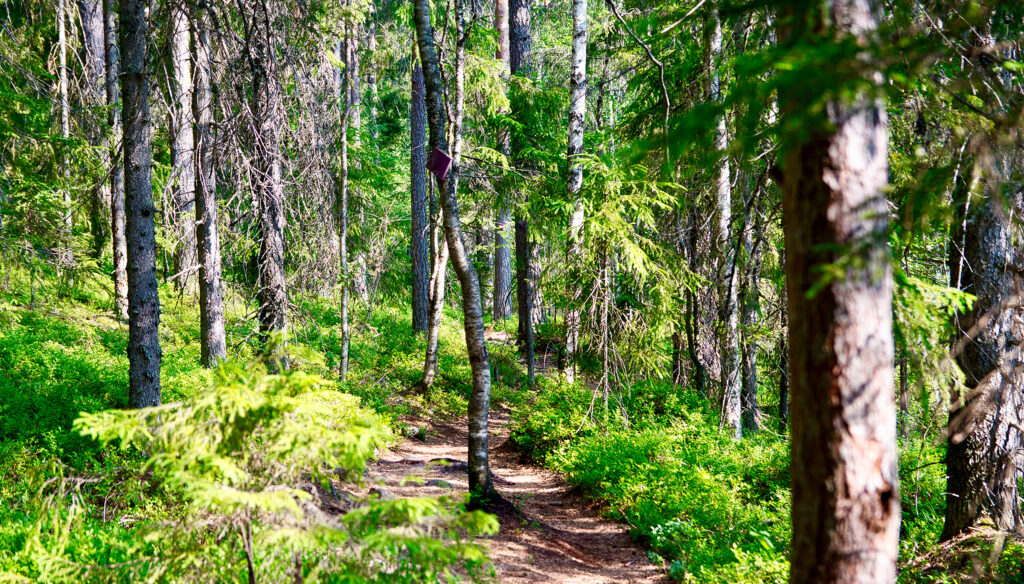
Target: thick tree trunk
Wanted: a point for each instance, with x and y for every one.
(268, 120)
(846, 504)
(420, 247)
(985, 421)
(480, 486)
(520, 57)
(577, 115)
(728, 290)
(144, 353)
(183, 159)
(90, 12)
(211, 295)
(520, 63)
(502, 297)
(117, 218)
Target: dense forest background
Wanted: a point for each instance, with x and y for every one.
(747, 275)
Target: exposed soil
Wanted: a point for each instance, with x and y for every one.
(553, 536)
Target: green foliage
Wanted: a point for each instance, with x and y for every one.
(249, 462)
(717, 510)
(714, 509)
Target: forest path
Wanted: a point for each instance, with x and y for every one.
(558, 538)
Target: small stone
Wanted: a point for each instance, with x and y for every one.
(382, 493)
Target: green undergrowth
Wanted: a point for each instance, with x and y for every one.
(231, 468)
(710, 508)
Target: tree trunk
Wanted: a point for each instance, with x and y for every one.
(783, 382)
(480, 486)
(117, 218)
(438, 282)
(520, 57)
(144, 353)
(65, 125)
(183, 159)
(846, 504)
(577, 115)
(525, 307)
(211, 295)
(90, 12)
(268, 120)
(728, 291)
(502, 296)
(904, 396)
(341, 92)
(358, 267)
(420, 221)
(750, 302)
(520, 63)
(692, 323)
(985, 421)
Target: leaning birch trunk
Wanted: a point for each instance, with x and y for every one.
(183, 160)
(728, 293)
(846, 501)
(144, 353)
(211, 294)
(577, 115)
(480, 486)
(117, 219)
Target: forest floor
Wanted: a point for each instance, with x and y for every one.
(554, 535)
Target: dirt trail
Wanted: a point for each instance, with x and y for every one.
(561, 538)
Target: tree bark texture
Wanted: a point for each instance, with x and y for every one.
(728, 290)
(480, 485)
(577, 116)
(502, 296)
(211, 293)
(525, 307)
(986, 417)
(420, 236)
(750, 304)
(117, 211)
(144, 353)
(846, 510)
(520, 39)
(268, 188)
(183, 159)
(341, 205)
(90, 13)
